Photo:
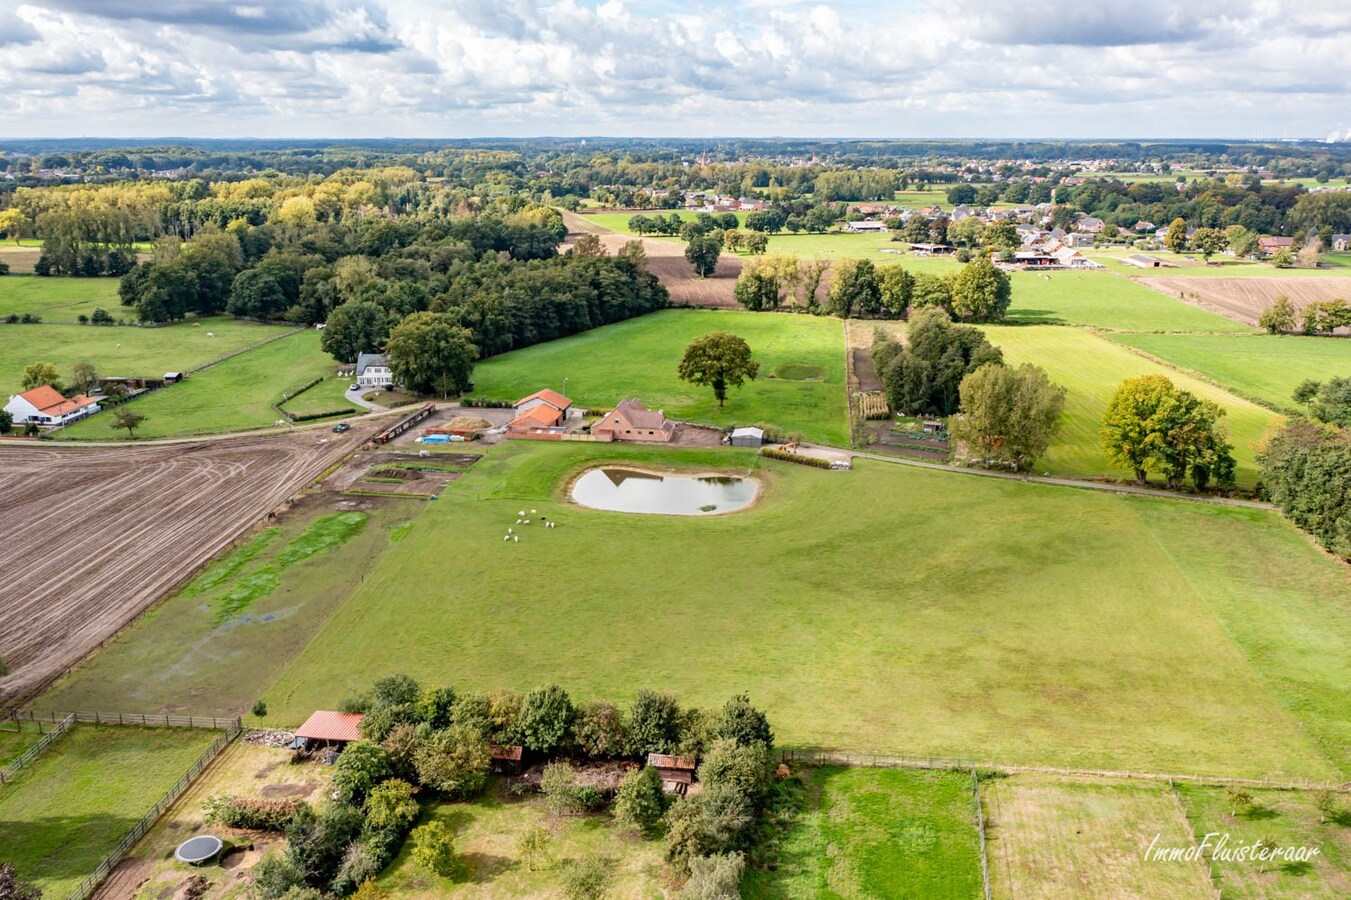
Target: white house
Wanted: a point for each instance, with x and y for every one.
(373, 371)
(45, 406)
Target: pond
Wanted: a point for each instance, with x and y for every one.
(635, 491)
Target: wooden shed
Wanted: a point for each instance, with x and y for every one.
(506, 760)
(677, 772)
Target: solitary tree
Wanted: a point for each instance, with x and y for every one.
(1306, 391)
(1326, 804)
(981, 292)
(1176, 237)
(128, 418)
(1239, 800)
(1209, 241)
(718, 360)
(39, 374)
(702, 252)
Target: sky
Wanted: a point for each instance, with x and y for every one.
(665, 68)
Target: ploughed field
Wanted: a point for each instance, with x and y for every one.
(1245, 298)
(106, 531)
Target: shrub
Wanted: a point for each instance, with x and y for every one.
(260, 709)
(454, 761)
(356, 703)
(251, 813)
(716, 820)
(401, 747)
(361, 861)
(437, 707)
(434, 848)
(396, 690)
(369, 890)
(743, 723)
(276, 874)
(744, 769)
(317, 839)
(535, 847)
(504, 710)
(798, 458)
(714, 877)
(474, 711)
(563, 795)
(391, 808)
(381, 720)
(360, 768)
(545, 716)
(640, 802)
(588, 878)
(654, 723)
(600, 730)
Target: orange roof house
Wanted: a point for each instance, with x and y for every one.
(333, 727)
(631, 421)
(45, 406)
(546, 396)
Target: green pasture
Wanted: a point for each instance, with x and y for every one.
(124, 351)
(1103, 300)
(62, 815)
(1264, 367)
(236, 395)
(60, 300)
(619, 221)
(916, 199)
(1282, 818)
(327, 396)
(15, 738)
(639, 358)
(882, 609)
(1091, 368)
(866, 833)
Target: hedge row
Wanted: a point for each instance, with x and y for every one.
(795, 458)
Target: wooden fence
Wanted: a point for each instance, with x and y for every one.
(8, 772)
(87, 887)
(980, 824)
(820, 757)
(105, 718)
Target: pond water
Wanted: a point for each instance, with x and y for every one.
(630, 490)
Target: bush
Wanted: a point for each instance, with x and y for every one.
(640, 802)
(360, 768)
(545, 716)
(317, 840)
(717, 820)
(437, 708)
(396, 690)
(434, 848)
(714, 877)
(251, 813)
(357, 703)
(381, 720)
(795, 458)
(326, 414)
(260, 709)
(454, 761)
(744, 769)
(587, 879)
(600, 731)
(654, 723)
(401, 747)
(743, 723)
(563, 795)
(391, 809)
(535, 847)
(361, 862)
(276, 874)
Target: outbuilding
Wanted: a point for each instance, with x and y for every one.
(677, 772)
(325, 728)
(748, 437)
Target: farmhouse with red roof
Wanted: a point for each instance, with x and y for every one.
(45, 406)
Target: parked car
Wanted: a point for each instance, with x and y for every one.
(341, 427)
(355, 387)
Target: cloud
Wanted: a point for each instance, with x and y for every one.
(860, 68)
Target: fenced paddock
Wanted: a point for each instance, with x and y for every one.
(26, 758)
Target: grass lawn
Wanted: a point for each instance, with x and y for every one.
(638, 358)
(327, 396)
(1104, 300)
(60, 299)
(214, 647)
(914, 199)
(1282, 818)
(16, 737)
(66, 812)
(486, 832)
(1052, 838)
(236, 395)
(132, 351)
(877, 833)
(1090, 368)
(883, 609)
(1266, 367)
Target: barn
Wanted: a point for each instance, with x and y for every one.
(748, 437)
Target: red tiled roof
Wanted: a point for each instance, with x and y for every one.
(553, 398)
(511, 753)
(638, 416)
(49, 402)
(323, 725)
(662, 761)
(545, 416)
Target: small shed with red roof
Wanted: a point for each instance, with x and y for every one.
(326, 727)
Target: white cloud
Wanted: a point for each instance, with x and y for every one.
(1153, 68)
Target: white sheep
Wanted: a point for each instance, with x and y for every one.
(506, 537)
(526, 522)
(521, 513)
(516, 538)
(210, 334)
(532, 512)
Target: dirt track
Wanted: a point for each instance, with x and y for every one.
(1244, 298)
(95, 535)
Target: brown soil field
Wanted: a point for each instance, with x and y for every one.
(95, 535)
(666, 260)
(1244, 299)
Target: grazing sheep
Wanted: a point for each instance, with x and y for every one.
(506, 537)
(521, 513)
(532, 512)
(210, 334)
(516, 538)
